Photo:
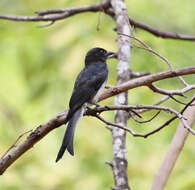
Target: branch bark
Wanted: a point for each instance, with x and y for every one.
(58, 14)
(146, 81)
(32, 139)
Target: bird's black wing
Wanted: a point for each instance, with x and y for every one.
(87, 84)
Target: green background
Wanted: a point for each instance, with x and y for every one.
(38, 66)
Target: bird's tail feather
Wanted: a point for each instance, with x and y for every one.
(67, 142)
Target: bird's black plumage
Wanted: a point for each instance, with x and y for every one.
(88, 86)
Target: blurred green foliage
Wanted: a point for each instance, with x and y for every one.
(37, 72)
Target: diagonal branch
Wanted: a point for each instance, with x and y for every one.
(58, 120)
(174, 151)
(32, 139)
(146, 80)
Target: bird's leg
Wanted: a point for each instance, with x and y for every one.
(91, 111)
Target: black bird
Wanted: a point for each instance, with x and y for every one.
(88, 87)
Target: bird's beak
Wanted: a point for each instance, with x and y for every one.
(111, 54)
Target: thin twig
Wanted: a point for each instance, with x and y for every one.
(119, 126)
(162, 100)
(148, 48)
(183, 81)
(146, 121)
(178, 101)
(165, 98)
(47, 25)
(179, 92)
(99, 22)
(14, 144)
(138, 74)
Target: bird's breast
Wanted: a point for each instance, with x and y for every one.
(99, 92)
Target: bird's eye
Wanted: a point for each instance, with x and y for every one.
(102, 51)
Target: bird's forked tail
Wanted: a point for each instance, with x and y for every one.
(67, 142)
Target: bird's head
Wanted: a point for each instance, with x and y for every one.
(98, 54)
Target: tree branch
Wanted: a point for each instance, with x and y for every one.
(58, 120)
(154, 31)
(31, 139)
(58, 14)
(128, 108)
(146, 80)
(104, 6)
(161, 33)
(145, 121)
(171, 92)
(14, 144)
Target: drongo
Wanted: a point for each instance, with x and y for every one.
(88, 87)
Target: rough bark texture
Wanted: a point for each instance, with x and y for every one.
(174, 150)
(123, 75)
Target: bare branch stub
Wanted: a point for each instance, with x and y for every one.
(138, 74)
